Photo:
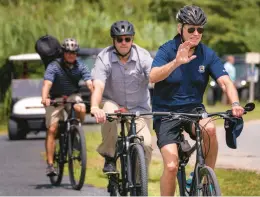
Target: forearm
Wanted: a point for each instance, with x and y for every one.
(231, 92)
(160, 73)
(96, 96)
(89, 85)
(46, 89)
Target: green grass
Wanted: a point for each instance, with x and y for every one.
(232, 182)
(3, 128)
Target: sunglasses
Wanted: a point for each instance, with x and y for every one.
(127, 39)
(191, 30)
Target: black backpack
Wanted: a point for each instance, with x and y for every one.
(49, 48)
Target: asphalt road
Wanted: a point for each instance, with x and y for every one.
(22, 171)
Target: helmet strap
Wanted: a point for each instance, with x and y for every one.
(182, 39)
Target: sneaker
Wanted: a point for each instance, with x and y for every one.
(110, 166)
(50, 170)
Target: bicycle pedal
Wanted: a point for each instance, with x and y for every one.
(111, 173)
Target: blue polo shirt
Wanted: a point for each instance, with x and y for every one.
(185, 86)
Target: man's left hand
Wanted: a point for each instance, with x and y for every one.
(237, 111)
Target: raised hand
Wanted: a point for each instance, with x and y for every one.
(182, 56)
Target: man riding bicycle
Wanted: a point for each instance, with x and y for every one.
(61, 79)
(180, 71)
(121, 76)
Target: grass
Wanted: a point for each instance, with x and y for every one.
(3, 127)
(232, 182)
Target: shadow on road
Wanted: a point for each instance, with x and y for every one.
(49, 186)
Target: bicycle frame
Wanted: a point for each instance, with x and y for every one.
(200, 162)
(124, 144)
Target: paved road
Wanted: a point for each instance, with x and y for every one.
(247, 154)
(22, 172)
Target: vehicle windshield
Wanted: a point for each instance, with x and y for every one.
(241, 71)
(89, 61)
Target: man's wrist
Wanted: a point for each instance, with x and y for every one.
(94, 107)
(235, 104)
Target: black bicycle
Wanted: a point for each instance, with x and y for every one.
(132, 177)
(70, 148)
(204, 181)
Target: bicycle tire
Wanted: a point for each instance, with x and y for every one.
(77, 142)
(211, 189)
(58, 164)
(140, 186)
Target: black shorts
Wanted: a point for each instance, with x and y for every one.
(168, 131)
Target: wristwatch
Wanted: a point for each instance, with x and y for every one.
(235, 104)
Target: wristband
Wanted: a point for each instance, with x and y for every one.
(235, 104)
(94, 107)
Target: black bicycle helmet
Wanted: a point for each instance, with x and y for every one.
(70, 45)
(121, 28)
(192, 15)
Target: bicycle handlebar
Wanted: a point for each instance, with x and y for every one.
(54, 102)
(249, 107)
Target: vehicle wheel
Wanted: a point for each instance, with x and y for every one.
(58, 164)
(77, 157)
(14, 132)
(210, 97)
(244, 95)
(139, 172)
(210, 186)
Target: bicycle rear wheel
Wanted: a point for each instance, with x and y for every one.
(139, 171)
(58, 164)
(208, 179)
(77, 157)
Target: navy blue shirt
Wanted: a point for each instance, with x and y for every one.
(61, 84)
(185, 86)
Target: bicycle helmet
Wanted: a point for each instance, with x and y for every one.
(121, 28)
(70, 45)
(192, 15)
(233, 127)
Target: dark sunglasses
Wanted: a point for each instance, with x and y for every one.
(127, 39)
(200, 30)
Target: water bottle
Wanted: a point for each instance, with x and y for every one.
(189, 181)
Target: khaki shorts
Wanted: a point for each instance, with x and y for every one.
(54, 114)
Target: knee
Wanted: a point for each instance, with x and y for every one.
(171, 168)
(52, 129)
(211, 132)
(80, 108)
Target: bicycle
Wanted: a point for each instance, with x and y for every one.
(199, 186)
(131, 157)
(70, 148)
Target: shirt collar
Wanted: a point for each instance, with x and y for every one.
(132, 57)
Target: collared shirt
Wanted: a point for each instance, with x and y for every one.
(186, 85)
(126, 84)
(231, 70)
(61, 84)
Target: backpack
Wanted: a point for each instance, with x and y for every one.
(49, 48)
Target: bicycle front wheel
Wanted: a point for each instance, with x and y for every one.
(139, 171)
(58, 164)
(77, 157)
(209, 182)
